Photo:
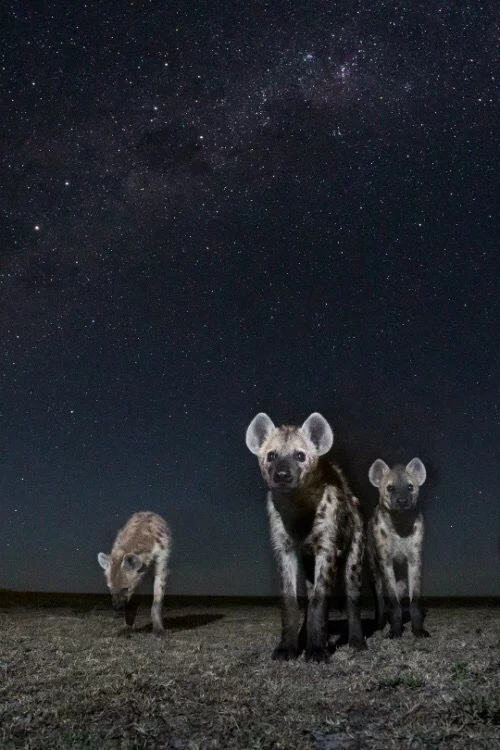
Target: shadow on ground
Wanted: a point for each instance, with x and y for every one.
(338, 632)
(183, 622)
(340, 629)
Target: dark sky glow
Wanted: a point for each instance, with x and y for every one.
(213, 209)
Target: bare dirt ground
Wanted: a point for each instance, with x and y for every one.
(67, 680)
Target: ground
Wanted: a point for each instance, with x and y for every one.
(68, 680)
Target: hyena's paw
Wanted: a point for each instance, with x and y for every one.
(358, 643)
(285, 653)
(395, 633)
(421, 633)
(317, 653)
(130, 614)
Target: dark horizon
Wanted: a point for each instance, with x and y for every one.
(215, 211)
(54, 599)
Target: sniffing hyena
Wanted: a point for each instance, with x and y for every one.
(395, 538)
(144, 541)
(314, 518)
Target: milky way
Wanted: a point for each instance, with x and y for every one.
(215, 210)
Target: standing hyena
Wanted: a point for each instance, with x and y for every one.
(143, 542)
(395, 538)
(314, 518)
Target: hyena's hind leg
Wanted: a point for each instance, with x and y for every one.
(391, 588)
(303, 633)
(353, 580)
(159, 591)
(302, 641)
(378, 590)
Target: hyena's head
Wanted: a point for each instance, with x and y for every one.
(398, 487)
(287, 455)
(123, 575)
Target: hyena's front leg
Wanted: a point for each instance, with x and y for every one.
(288, 648)
(396, 615)
(159, 591)
(130, 614)
(414, 580)
(353, 571)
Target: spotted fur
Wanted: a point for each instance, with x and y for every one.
(315, 524)
(143, 543)
(395, 540)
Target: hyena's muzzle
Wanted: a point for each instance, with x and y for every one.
(127, 604)
(119, 602)
(401, 496)
(285, 475)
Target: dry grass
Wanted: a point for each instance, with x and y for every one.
(68, 681)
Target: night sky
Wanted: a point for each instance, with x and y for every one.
(215, 209)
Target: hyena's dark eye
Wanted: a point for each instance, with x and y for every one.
(271, 456)
(299, 456)
(410, 487)
(390, 488)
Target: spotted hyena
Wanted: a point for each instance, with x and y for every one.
(315, 521)
(143, 543)
(395, 538)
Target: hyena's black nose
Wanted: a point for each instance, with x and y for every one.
(282, 477)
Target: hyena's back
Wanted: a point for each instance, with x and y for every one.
(142, 533)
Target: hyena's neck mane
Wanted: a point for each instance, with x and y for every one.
(324, 475)
(333, 476)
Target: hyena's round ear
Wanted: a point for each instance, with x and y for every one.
(377, 471)
(103, 560)
(417, 468)
(131, 562)
(258, 431)
(319, 432)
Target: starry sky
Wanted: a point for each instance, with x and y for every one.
(213, 209)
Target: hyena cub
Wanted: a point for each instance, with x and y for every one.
(395, 538)
(143, 543)
(315, 520)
